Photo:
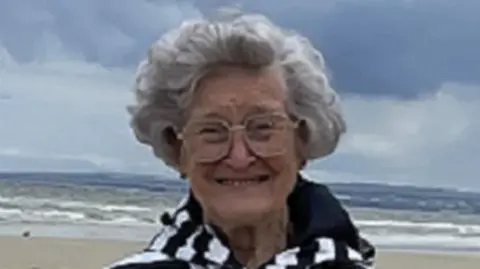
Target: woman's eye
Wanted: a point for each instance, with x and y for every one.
(209, 130)
(261, 125)
(213, 133)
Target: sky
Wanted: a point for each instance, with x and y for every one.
(408, 72)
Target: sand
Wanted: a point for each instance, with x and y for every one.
(55, 253)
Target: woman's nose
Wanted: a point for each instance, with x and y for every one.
(239, 157)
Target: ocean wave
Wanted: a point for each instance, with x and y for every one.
(61, 204)
(28, 205)
(116, 214)
(42, 210)
(426, 242)
(69, 217)
(423, 228)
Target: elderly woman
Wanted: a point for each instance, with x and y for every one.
(238, 106)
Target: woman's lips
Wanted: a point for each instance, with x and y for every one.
(242, 181)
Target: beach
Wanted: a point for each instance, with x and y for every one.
(61, 253)
(66, 253)
(113, 215)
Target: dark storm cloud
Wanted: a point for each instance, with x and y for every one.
(402, 48)
(378, 47)
(111, 32)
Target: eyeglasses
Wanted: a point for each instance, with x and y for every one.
(211, 140)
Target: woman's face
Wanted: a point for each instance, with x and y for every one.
(241, 174)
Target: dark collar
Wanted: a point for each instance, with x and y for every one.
(314, 212)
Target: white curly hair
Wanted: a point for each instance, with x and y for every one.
(167, 78)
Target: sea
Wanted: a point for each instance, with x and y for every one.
(127, 207)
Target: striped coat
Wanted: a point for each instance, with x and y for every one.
(324, 238)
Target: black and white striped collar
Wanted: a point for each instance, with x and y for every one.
(324, 235)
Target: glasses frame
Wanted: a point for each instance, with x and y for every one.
(291, 124)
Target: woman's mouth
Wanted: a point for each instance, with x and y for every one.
(242, 181)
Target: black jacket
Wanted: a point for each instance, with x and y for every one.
(324, 238)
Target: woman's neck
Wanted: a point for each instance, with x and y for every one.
(255, 244)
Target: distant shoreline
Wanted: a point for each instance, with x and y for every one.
(171, 178)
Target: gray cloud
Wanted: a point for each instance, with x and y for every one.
(111, 32)
(378, 47)
(431, 140)
(399, 48)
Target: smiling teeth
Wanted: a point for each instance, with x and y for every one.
(233, 182)
(242, 182)
(239, 182)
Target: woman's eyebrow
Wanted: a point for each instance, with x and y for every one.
(258, 108)
(252, 110)
(209, 115)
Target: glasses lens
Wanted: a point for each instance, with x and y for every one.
(266, 135)
(207, 141)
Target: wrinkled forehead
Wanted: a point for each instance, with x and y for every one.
(235, 93)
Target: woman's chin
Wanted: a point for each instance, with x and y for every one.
(245, 213)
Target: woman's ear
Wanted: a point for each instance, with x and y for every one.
(303, 132)
(301, 143)
(171, 138)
